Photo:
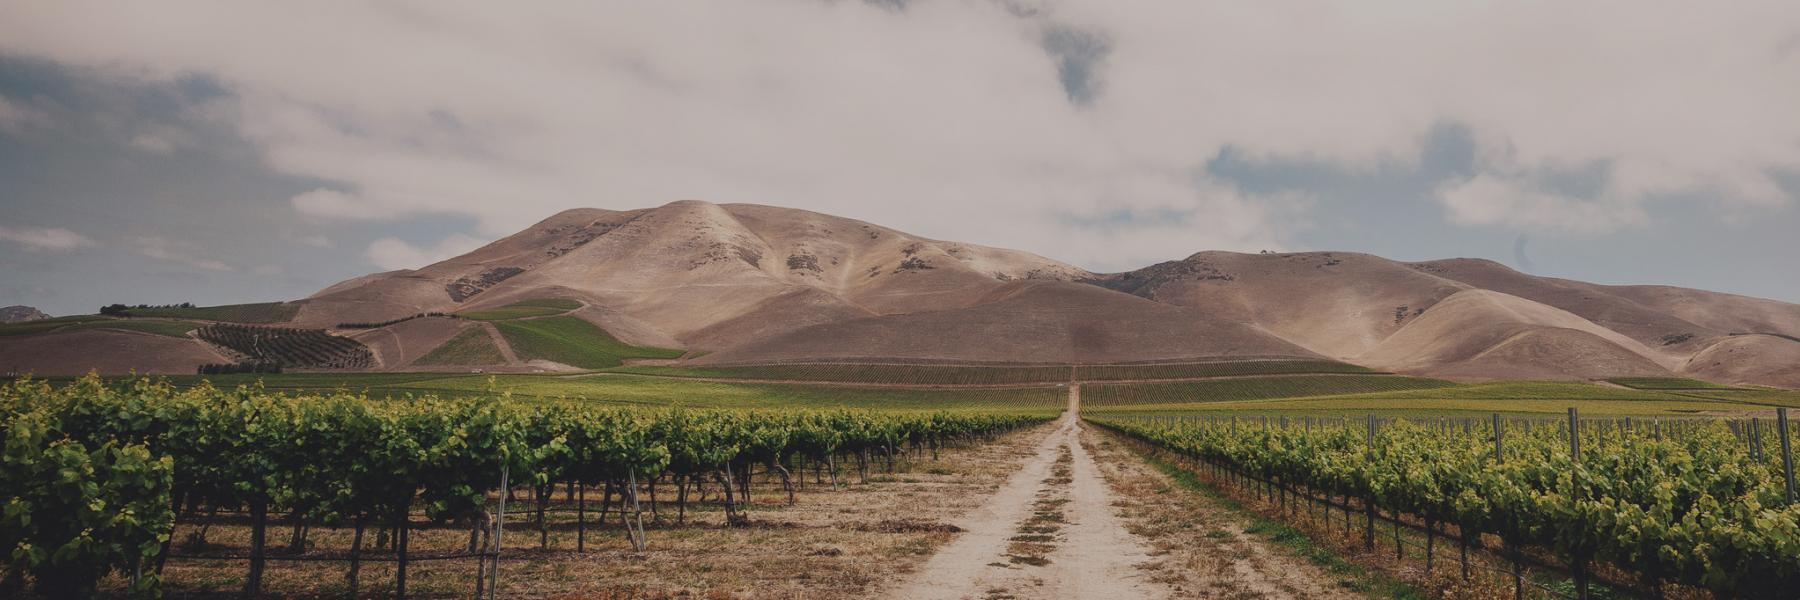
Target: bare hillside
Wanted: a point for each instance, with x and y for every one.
(738, 283)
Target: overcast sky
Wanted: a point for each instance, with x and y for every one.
(227, 151)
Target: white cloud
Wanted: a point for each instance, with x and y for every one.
(46, 239)
(948, 118)
(15, 116)
(315, 241)
(1489, 200)
(152, 143)
(391, 253)
(179, 252)
(333, 204)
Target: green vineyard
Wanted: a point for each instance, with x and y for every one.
(1155, 395)
(1212, 369)
(869, 373)
(164, 454)
(290, 348)
(1692, 502)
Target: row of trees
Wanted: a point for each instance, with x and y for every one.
(122, 310)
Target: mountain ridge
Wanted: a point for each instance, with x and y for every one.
(736, 283)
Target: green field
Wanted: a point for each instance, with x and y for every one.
(1768, 396)
(1512, 397)
(868, 373)
(630, 390)
(87, 322)
(1668, 383)
(521, 310)
(1212, 369)
(1305, 395)
(572, 341)
(46, 325)
(153, 326)
(1138, 396)
(264, 312)
(471, 347)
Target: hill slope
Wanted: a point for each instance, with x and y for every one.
(738, 283)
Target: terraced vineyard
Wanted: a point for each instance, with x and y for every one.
(884, 374)
(290, 348)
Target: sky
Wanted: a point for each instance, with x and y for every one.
(222, 152)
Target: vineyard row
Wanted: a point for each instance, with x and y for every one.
(1694, 502)
(101, 470)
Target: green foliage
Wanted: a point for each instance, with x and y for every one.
(471, 347)
(90, 467)
(77, 509)
(625, 390)
(1682, 501)
(573, 341)
(264, 312)
(520, 310)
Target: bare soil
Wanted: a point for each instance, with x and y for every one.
(1050, 532)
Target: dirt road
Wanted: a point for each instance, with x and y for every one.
(1050, 532)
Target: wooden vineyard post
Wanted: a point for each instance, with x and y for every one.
(401, 539)
(1369, 501)
(259, 515)
(1580, 566)
(499, 532)
(1787, 453)
(638, 542)
(1755, 439)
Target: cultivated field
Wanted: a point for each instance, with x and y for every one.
(640, 481)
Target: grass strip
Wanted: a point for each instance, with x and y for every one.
(1362, 580)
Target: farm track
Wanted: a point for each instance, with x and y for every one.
(1050, 532)
(973, 386)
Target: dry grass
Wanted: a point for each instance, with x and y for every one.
(1202, 548)
(830, 544)
(1036, 538)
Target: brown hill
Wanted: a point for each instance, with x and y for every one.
(1400, 316)
(1028, 322)
(741, 283)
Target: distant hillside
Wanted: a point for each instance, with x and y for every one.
(741, 283)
